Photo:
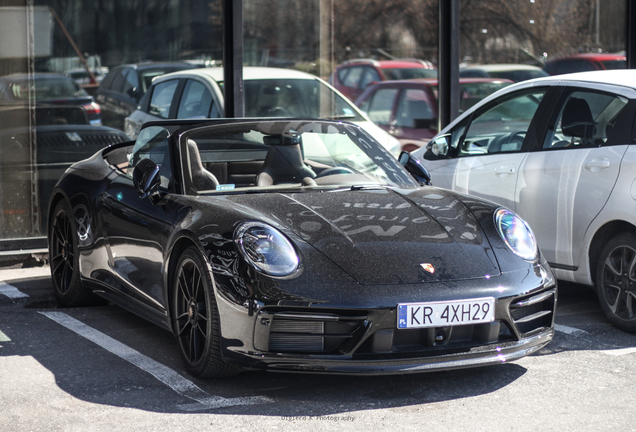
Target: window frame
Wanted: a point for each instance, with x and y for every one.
(534, 129)
(628, 112)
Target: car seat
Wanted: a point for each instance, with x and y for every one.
(284, 164)
(202, 179)
(577, 121)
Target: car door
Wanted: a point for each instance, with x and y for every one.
(379, 106)
(130, 94)
(487, 148)
(109, 96)
(565, 182)
(158, 104)
(351, 82)
(137, 229)
(414, 121)
(197, 101)
(369, 77)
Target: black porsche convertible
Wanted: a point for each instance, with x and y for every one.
(297, 245)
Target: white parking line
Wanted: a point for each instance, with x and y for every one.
(156, 369)
(11, 291)
(569, 330)
(619, 352)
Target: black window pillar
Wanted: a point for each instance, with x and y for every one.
(448, 62)
(233, 58)
(630, 37)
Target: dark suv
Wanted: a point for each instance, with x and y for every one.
(119, 93)
(354, 76)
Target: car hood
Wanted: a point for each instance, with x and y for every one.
(383, 236)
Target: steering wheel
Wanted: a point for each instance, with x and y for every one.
(335, 170)
(518, 136)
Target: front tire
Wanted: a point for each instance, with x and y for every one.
(616, 281)
(64, 258)
(196, 319)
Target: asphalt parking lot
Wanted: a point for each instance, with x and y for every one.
(103, 369)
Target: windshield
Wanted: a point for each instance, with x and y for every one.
(260, 157)
(306, 98)
(614, 64)
(519, 75)
(395, 74)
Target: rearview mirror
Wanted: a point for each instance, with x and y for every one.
(415, 168)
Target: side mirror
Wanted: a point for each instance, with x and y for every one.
(415, 168)
(133, 93)
(438, 148)
(146, 179)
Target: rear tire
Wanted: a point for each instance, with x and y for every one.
(195, 319)
(64, 259)
(616, 281)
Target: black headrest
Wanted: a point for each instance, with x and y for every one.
(284, 164)
(577, 119)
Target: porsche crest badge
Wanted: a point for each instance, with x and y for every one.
(428, 267)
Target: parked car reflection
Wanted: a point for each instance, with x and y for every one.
(50, 89)
(407, 109)
(123, 87)
(585, 62)
(353, 76)
(32, 159)
(513, 72)
(269, 92)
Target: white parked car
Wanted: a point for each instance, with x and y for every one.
(560, 151)
(269, 92)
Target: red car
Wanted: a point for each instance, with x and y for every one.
(407, 109)
(585, 62)
(354, 76)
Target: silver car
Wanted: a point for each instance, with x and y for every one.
(560, 152)
(269, 92)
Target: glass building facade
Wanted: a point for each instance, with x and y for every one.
(56, 54)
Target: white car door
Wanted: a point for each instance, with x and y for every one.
(487, 150)
(564, 185)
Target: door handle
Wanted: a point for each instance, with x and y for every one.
(505, 170)
(597, 164)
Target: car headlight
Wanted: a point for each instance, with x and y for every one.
(517, 234)
(266, 249)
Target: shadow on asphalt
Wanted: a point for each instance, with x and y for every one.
(87, 372)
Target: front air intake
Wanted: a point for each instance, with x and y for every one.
(310, 333)
(534, 312)
(291, 335)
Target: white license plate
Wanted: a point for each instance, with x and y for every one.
(446, 313)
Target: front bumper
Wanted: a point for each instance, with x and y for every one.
(485, 356)
(343, 330)
(367, 341)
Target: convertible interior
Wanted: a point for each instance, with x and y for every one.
(254, 161)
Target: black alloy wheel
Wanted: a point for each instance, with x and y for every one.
(196, 319)
(64, 259)
(616, 281)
